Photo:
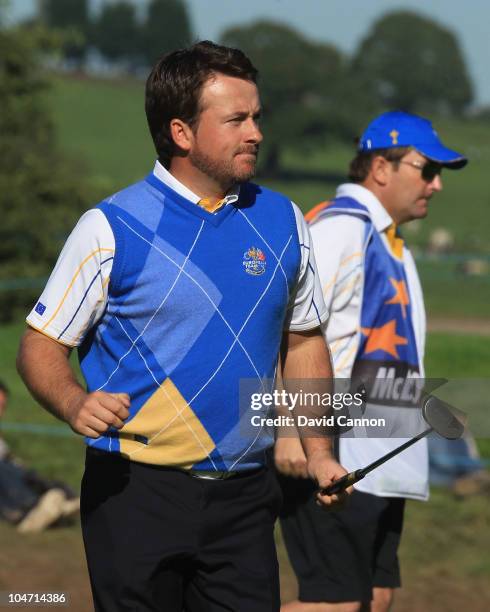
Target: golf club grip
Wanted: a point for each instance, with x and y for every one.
(342, 483)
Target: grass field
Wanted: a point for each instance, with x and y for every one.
(103, 123)
(444, 552)
(66, 462)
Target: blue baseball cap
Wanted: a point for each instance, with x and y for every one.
(400, 129)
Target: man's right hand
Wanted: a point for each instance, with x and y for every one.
(91, 414)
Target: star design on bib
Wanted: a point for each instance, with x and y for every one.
(401, 295)
(384, 338)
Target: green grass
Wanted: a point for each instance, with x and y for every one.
(59, 456)
(104, 123)
(463, 360)
(443, 554)
(455, 356)
(450, 293)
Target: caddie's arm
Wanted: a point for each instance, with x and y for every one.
(305, 357)
(43, 364)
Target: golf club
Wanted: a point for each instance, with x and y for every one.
(437, 415)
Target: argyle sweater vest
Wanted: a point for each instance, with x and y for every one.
(197, 304)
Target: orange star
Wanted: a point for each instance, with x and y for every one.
(401, 295)
(383, 338)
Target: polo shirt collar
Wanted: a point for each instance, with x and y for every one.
(169, 180)
(379, 215)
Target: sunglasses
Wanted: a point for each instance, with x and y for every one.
(429, 170)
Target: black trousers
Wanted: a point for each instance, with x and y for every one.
(342, 554)
(159, 539)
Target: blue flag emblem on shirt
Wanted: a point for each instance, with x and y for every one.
(40, 308)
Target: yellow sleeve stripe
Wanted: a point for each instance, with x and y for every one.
(334, 345)
(342, 263)
(75, 276)
(334, 279)
(106, 282)
(347, 358)
(340, 344)
(348, 286)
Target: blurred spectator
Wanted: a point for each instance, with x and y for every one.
(457, 465)
(27, 499)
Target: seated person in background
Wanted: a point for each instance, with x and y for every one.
(27, 499)
(457, 464)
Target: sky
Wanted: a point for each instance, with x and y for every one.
(341, 22)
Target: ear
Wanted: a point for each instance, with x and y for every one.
(381, 170)
(182, 134)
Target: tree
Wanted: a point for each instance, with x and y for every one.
(167, 27)
(116, 32)
(302, 85)
(40, 192)
(65, 13)
(414, 64)
(71, 16)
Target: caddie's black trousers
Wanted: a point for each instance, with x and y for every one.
(158, 539)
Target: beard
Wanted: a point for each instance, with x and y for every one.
(225, 172)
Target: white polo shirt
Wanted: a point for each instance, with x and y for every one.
(338, 243)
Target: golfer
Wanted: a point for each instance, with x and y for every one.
(174, 290)
(347, 560)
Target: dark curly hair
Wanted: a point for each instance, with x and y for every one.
(173, 89)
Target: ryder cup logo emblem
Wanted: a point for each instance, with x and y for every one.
(254, 261)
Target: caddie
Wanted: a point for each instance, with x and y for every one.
(174, 290)
(347, 560)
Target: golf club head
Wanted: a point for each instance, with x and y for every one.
(441, 418)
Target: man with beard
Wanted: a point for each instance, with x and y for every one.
(174, 290)
(347, 560)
